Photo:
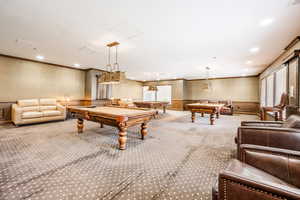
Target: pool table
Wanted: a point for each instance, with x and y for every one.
(209, 108)
(152, 104)
(122, 118)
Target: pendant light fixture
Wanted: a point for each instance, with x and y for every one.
(153, 87)
(207, 85)
(112, 75)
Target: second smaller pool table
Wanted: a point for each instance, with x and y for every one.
(152, 104)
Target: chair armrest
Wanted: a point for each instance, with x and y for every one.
(62, 109)
(284, 138)
(242, 181)
(16, 114)
(281, 163)
(262, 123)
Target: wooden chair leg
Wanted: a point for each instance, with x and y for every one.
(276, 116)
(262, 114)
(280, 116)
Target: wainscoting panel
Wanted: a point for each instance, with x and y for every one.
(5, 112)
(177, 104)
(245, 107)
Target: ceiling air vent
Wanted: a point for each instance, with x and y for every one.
(88, 50)
(24, 43)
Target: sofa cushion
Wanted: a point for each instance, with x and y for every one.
(28, 102)
(42, 108)
(31, 108)
(33, 114)
(50, 113)
(47, 102)
(126, 103)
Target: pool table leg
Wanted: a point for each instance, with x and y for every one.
(122, 136)
(101, 125)
(193, 117)
(80, 125)
(212, 119)
(202, 114)
(164, 109)
(144, 130)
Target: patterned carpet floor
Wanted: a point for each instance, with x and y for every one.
(177, 160)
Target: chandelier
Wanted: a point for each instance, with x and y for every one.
(207, 84)
(112, 75)
(152, 88)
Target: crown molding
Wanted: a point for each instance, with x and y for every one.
(41, 62)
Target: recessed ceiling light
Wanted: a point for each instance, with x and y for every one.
(76, 65)
(40, 57)
(248, 62)
(254, 49)
(243, 74)
(266, 22)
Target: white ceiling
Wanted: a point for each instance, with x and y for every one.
(159, 38)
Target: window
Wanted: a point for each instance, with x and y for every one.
(148, 95)
(293, 87)
(270, 90)
(263, 92)
(280, 84)
(164, 93)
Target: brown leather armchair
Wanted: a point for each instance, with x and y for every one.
(227, 109)
(268, 164)
(263, 173)
(284, 135)
(278, 109)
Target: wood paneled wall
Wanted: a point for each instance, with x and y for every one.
(5, 111)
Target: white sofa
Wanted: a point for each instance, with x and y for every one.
(37, 110)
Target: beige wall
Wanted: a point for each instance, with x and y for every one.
(236, 89)
(128, 89)
(177, 87)
(21, 79)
